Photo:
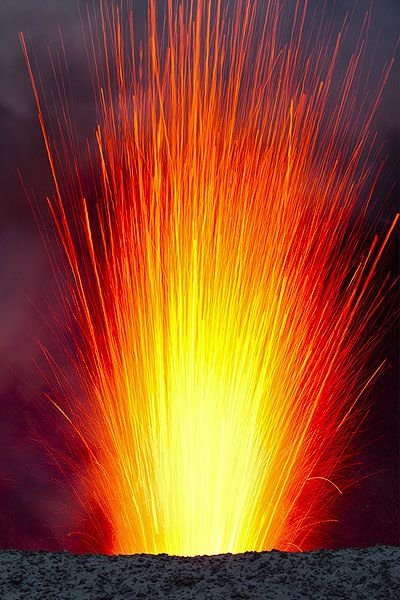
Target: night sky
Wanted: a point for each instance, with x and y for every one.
(37, 508)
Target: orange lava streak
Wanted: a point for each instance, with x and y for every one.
(217, 287)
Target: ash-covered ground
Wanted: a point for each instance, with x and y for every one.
(366, 574)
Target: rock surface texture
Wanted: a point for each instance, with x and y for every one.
(367, 574)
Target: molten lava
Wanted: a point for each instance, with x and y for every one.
(216, 281)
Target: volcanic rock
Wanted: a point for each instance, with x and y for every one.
(365, 574)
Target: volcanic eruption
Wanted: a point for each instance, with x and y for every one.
(220, 289)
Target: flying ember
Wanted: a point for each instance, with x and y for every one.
(219, 289)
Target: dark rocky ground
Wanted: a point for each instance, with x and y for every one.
(366, 574)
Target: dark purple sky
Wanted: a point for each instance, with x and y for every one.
(32, 495)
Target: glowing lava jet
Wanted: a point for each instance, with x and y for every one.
(218, 288)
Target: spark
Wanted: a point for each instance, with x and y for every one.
(217, 288)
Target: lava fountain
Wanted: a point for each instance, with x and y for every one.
(219, 289)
